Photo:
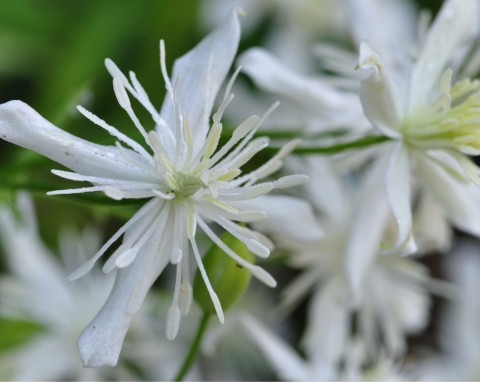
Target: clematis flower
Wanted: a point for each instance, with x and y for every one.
(189, 181)
(385, 297)
(431, 115)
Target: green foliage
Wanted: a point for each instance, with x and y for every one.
(16, 332)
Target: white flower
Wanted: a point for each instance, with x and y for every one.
(384, 296)
(189, 179)
(432, 122)
(36, 290)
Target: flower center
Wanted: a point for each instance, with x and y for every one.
(451, 122)
(184, 185)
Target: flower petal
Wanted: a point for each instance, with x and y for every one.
(459, 201)
(367, 227)
(310, 95)
(398, 192)
(328, 308)
(202, 71)
(379, 101)
(23, 126)
(390, 28)
(454, 25)
(101, 341)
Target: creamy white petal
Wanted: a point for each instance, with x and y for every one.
(453, 26)
(459, 201)
(23, 126)
(202, 71)
(398, 190)
(101, 341)
(380, 103)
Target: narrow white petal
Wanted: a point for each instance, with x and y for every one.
(380, 104)
(398, 191)
(310, 95)
(23, 126)
(101, 341)
(366, 228)
(203, 70)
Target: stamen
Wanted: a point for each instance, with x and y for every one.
(124, 102)
(256, 271)
(117, 134)
(213, 295)
(173, 315)
(163, 68)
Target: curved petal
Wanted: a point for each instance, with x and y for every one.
(390, 28)
(398, 192)
(202, 71)
(459, 201)
(380, 103)
(23, 126)
(454, 25)
(101, 341)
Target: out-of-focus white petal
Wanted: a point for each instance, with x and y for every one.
(390, 28)
(23, 126)
(367, 228)
(398, 189)
(282, 357)
(328, 309)
(287, 217)
(380, 103)
(310, 94)
(454, 25)
(200, 73)
(460, 201)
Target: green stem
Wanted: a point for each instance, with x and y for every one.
(187, 363)
(334, 149)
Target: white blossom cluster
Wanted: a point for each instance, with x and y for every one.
(350, 176)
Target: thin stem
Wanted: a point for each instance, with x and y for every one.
(334, 149)
(187, 363)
